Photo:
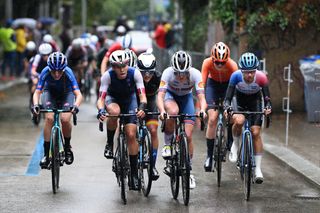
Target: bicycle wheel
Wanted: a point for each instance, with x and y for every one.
(247, 166)
(146, 165)
(122, 168)
(185, 168)
(219, 153)
(55, 160)
(174, 173)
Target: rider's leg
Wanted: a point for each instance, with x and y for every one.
(210, 135)
(133, 147)
(258, 150)
(238, 121)
(112, 109)
(152, 125)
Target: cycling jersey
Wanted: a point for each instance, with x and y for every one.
(76, 56)
(152, 86)
(67, 83)
(248, 95)
(121, 88)
(39, 63)
(171, 83)
(221, 76)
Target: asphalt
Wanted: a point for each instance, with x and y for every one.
(301, 151)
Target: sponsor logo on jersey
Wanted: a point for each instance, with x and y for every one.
(162, 83)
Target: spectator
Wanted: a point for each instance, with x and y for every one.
(169, 37)
(65, 38)
(21, 46)
(160, 35)
(8, 41)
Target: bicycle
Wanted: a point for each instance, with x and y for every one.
(246, 161)
(179, 163)
(145, 158)
(222, 143)
(120, 164)
(56, 151)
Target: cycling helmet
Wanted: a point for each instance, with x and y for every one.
(31, 46)
(45, 49)
(126, 42)
(57, 61)
(119, 58)
(146, 62)
(220, 52)
(94, 39)
(181, 61)
(47, 38)
(248, 61)
(76, 43)
(132, 58)
(121, 29)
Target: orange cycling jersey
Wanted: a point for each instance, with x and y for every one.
(222, 76)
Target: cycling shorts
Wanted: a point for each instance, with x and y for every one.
(152, 107)
(185, 104)
(215, 91)
(50, 100)
(127, 106)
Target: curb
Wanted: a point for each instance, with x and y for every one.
(304, 167)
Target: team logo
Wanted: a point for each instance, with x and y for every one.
(162, 83)
(201, 84)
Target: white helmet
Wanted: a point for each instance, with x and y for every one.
(126, 42)
(119, 58)
(45, 49)
(76, 43)
(94, 39)
(121, 29)
(181, 61)
(30, 46)
(132, 58)
(146, 62)
(47, 38)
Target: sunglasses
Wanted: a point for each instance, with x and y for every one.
(147, 72)
(218, 63)
(181, 73)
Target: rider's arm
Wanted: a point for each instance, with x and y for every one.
(140, 86)
(160, 101)
(205, 71)
(231, 88)
(78, 95)
(105, 82)
(35, 64)
(103, 66)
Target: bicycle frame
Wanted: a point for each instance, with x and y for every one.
(246, 132)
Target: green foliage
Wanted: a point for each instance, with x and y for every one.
(223, 11)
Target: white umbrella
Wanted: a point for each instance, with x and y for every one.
(28, 22)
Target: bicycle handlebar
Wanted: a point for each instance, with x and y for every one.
(166, 116)
(246, 113)
(61, 111)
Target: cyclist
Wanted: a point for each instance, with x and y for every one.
(59, 89)
(216, 71)
(126, 43)
(47, 38)
(246, 84)
(147, 65)
(175, 96)
(38, 63)
(118, 95)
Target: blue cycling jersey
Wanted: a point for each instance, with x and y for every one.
(65, 84)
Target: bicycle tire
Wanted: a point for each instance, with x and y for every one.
(219, 154)
(185, 168)
(247, 166)
(146, 164)
(55, 160)
(122, 168)
(174, 173)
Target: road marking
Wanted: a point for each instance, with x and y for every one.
(34, 168)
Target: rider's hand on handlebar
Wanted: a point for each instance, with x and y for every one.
(140, 112)
(35, 109)
(75, 109)
(101, 115)
(202, 114)
(228, 111)
(163, 115)
(267, 110)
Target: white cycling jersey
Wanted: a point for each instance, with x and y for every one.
(170, 82)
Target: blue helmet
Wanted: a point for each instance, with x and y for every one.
(248, 61)
(57, 61)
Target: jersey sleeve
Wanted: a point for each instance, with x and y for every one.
(72, 79)
(204, 71)
(139, 81)
(42, 78)
(164, 80)
(105, 82)
(199, 86)
(235, 78)
(36, 60)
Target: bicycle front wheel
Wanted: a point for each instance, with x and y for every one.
(185, 168)
(55, 160)
(247, 174)
(174, 173)
(219, 153)
(146, 165)
(122, 168)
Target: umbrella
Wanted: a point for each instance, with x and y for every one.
(47, 20)
(28, 22)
